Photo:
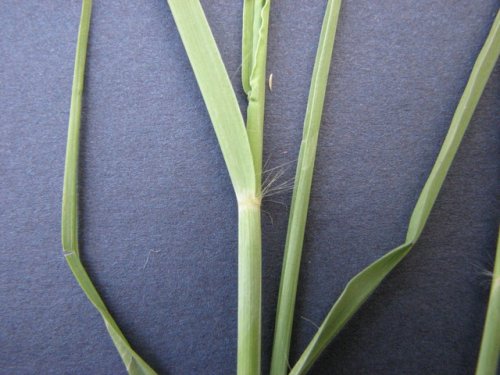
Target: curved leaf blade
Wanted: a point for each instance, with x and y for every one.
(217, 93)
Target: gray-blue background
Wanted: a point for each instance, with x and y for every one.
(153, 184)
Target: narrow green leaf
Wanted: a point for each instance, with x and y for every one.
(477, 81)
(364, 283)
(490, 344)
(69, 219)
(302, 190)
(217, 92)
(256, 89)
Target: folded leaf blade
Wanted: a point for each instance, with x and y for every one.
(69, 219)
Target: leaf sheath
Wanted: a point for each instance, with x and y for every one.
(254, 77)
(249, 290)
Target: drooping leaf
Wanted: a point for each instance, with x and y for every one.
(69, 220)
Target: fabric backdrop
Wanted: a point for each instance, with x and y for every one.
(158, 216)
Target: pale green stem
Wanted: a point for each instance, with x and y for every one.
(490, 345)
(249, 287)
(254, 47)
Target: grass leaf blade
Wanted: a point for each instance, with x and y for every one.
(69, 218)
(302, 190)
(356, 292)
(477, 81)
(217, 92)
(365, 282)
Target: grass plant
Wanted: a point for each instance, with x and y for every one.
(241, 144)
(242, 150)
